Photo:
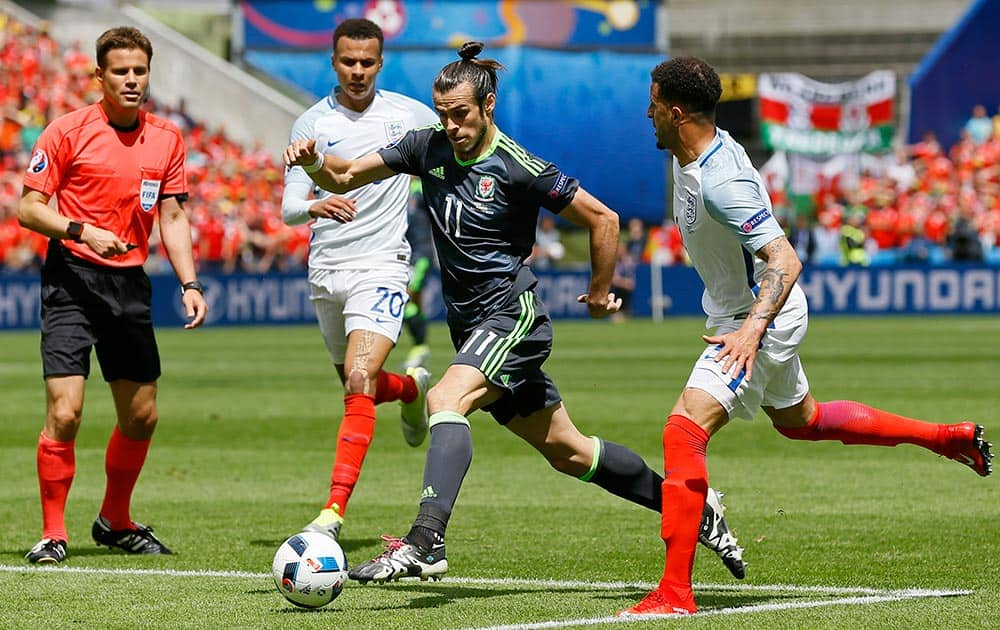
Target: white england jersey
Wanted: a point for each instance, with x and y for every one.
(376, 238)
(724, 214)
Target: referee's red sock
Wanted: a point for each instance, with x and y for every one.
(390, 386)
(353, 437)
(56, 463)
(122, 464)
(855, 423)
(685, 486)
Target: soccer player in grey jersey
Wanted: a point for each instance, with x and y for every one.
(483, 192)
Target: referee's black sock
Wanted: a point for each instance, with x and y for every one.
(623, 473)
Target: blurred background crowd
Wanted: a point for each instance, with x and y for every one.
(235, 201)
(926, 203)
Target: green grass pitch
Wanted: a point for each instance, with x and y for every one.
(242, 459)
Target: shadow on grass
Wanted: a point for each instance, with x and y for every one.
(438, 595)
(15, 556)
(712, 600)
(427, 595)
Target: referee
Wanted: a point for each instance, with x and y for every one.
(114, 170)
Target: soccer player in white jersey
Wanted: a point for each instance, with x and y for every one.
(358, 254)
(759, 316)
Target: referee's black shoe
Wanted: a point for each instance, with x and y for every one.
(139, 540)
(47, 551)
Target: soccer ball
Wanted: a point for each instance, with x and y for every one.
(309, 569)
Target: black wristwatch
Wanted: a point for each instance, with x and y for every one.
(74, 231)
(193, 285)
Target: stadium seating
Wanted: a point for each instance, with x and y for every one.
(236, 190)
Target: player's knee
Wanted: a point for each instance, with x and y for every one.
(358, 382)
(64, 416)
(439, 399)
(143, 420)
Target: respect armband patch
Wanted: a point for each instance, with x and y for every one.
(755, 220)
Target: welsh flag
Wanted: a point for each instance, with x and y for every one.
(800, 115)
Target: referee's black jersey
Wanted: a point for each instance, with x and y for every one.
(483, 213)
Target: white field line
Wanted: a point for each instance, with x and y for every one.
(863, 595)
(555, 584)
(889, 596)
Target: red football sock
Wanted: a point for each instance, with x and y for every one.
(353, 438)
(56, 463)
(390, 387)
(122, 464)
(854, 423)
(685, 486)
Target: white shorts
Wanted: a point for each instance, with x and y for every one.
(352, 299)
(778, 378)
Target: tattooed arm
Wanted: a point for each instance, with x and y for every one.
(739, 348)
(783, 268)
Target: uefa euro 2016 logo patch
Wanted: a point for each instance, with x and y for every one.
(486, 188)
(39, 162)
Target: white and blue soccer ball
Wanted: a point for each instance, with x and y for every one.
(310, 569)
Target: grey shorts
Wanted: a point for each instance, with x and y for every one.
(509, 348)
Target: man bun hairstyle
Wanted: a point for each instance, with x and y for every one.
(480, 73)
(690, 81)
(358, 28)
(122, 38)
(471, 50)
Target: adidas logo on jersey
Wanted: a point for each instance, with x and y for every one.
(437, 171)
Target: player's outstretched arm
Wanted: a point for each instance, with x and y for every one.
(298, 207)
(334, 173)
(602, 223)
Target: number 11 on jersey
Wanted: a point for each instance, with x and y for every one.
(453, 203)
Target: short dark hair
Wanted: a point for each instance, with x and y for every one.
(122, 38)
(481, 73)
(690, 81)
(358, 28)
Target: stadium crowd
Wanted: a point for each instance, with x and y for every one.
(235, 191)
(925, 205)
(929, 204)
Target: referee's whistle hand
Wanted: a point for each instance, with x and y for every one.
(104, 243)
